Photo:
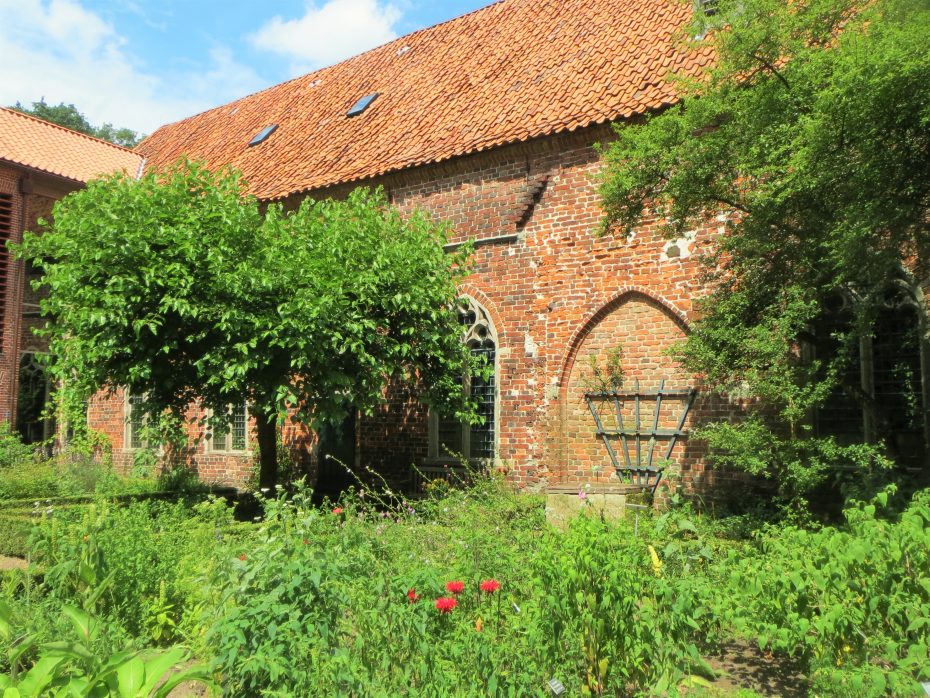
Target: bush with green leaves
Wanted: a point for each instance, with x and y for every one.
(611, 615)
(12, 449)
(343, 601)
(69, 668)
(147, 553)
(852, 603)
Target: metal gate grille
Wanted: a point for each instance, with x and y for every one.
(621, 420)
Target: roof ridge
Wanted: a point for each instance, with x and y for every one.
(68, 130)
(332, 66)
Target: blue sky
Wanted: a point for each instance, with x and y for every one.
(143, 63)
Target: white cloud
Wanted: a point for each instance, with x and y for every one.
(62, 51)
(328, 33)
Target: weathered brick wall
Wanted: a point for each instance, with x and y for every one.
(9, 348)
(107, 414)
(557, 293)
(556, 290)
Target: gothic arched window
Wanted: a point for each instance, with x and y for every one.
(879, 396)
(450, 438)
(34, 394)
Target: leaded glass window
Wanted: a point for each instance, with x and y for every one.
(135, 421)
(879, 396)
(233, 435)
(450, 438)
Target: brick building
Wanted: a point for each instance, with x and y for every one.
(39, 163)
(489, 122)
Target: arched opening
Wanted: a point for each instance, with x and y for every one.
(34, 397)
(451, 439)
(622, 349)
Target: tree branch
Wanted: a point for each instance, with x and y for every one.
(771, 68)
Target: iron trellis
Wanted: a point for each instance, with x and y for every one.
(640, 473)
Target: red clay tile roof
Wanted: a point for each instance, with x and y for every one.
(511, 71)
(39, 145)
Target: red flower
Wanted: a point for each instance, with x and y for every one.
(337, 511)
(242, 557)
(489, 586)
(445, 604)
(412, 595)
(455, 587)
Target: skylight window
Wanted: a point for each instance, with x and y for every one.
(362, 104)
(262, 135)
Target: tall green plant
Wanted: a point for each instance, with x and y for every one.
(209, 296)
(70, 668)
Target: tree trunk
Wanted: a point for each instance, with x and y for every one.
(267, 431)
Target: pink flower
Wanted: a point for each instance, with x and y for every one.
(337, 511)
(582, 495)
(489, 586)
(445, 604)
(455, 587)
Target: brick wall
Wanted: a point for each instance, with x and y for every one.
(558, 293)
(556, 290)
(19, 316)
(9, 345)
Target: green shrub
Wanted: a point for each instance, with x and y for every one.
(340, 600)
(319, 603)
(852, 602)
(151, 551)
(12, 449)
(71, 668)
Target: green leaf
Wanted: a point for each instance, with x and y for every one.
(131, 678)
(84, 624)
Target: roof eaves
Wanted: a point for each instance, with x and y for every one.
(33, 168)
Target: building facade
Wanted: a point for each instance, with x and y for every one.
(503, 149)
(39, 164)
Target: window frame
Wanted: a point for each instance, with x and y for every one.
(909, 296)
(227, 446)
(470, 335)
(128, 424)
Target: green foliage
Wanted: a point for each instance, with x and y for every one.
(318, 603)
(341, 600)
(12, 449)
(207, 297)
(67, 115)
(810, 134)
(797, 466)
(608, 608)
(146, 551)
(70, 668)
(852, 603)
(606, 378)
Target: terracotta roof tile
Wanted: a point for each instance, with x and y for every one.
(509, 72)
(40, 145)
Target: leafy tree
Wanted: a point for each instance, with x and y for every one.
(67, 115)
(812, 134)
(180, 287)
